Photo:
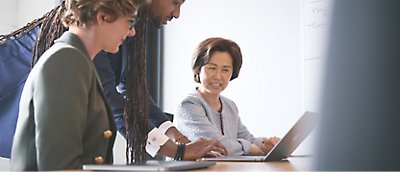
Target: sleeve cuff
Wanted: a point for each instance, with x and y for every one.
(165, 126)
(155, 139)
(246, 145)
(259, 142)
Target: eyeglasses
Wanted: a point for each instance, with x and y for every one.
(133, 21)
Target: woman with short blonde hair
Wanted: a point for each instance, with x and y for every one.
(64, 119)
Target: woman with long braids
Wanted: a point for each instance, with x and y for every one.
(132, 104)
(64, 119)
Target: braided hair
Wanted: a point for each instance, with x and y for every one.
(137, 101)
(50, 30)
(22, 31)
(47, 33)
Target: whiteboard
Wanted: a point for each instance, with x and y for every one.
(316, 24)
(316, 19)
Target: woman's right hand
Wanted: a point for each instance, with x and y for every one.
(269, 143)
(255, 150)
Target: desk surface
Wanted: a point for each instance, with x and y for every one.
(292, 164)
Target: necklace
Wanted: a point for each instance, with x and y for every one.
(220, 119)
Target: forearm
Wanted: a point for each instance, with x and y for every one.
(168, 149)
(176, 136)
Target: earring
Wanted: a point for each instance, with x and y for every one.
(197, 78)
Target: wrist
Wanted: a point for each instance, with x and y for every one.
(180, 152)
(181, 139)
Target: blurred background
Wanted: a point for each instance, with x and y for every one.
(283, 47)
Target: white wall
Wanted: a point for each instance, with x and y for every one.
(8, 16)
(270, 88)
(17, 13)
(29, 10)
(280, 76)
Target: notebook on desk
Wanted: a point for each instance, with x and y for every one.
(284, 148)
(152, 166)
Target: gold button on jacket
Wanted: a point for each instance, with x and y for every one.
(99, 160)
(107, 134)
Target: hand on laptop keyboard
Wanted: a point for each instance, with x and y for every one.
(214, 154)
(269, 143)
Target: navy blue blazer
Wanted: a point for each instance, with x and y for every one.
(15, 65)
(111, 70)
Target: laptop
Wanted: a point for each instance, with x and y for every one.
(152, 166)
(284, 148)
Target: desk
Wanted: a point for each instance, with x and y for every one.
(292, 164)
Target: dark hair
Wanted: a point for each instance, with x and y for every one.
(50, 30)
(137, 106)
(207, 47)
(21, 31)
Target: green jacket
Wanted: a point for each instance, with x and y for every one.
(64, 119)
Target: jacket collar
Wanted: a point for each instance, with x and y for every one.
(72, 39)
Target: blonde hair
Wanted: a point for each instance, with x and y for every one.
(83, 12)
